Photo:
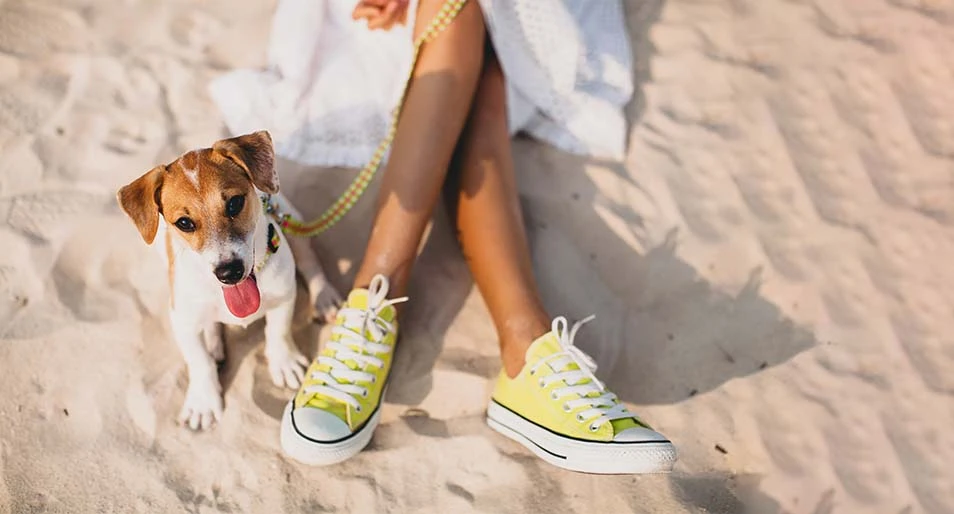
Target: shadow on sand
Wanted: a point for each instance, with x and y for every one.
(659, 322)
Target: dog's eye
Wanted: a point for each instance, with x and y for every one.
(234, 206)
(185, 224)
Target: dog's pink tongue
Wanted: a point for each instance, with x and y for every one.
(243, 298)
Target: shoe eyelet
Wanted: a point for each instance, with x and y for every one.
(566, 407)
(542, 383)
(579, 417)
(594, 428)
(533, 372)
(357, 409)
(374, 379)
(364, 393)
(553, 396)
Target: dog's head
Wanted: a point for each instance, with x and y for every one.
(208, 197)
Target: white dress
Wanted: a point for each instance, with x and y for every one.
(330, 84)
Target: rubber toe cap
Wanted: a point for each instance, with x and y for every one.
(319, 425)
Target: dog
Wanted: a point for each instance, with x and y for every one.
(211, 214)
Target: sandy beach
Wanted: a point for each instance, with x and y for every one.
(770, 269)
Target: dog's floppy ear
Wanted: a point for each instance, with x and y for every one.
(140, 201)
(254, 153)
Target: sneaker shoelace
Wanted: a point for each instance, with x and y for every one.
(602, 406)
(358, 341)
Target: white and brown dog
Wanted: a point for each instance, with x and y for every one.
(228, 260)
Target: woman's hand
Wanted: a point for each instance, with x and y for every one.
(381, 14)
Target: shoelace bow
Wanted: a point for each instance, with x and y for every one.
(342, 382)
(581, 382)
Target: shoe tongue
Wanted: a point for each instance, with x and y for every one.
(358, 299)
(545, 346)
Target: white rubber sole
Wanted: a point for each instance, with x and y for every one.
(317, 453)
(583, 456)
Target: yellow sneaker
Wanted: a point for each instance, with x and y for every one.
(335, 411)
(560, 411)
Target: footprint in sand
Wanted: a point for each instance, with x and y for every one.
(44, 215)
(20, 168)
(31, 28)
(20, 286)
(101, 271)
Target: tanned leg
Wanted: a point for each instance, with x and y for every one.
(431, 122)
(490, 225)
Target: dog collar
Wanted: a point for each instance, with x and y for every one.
(272, 244)
(272, 210)
(274, 240)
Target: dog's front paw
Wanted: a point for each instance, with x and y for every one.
(325, 299)
(287, 368)
(202, 407)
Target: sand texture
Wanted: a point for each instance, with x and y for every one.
(771, 268)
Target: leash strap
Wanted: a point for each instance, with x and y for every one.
(359, 185)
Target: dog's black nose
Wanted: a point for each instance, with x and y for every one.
(230, 272)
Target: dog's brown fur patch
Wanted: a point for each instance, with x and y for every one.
(201, 192)
(198, 186)
(140, 201)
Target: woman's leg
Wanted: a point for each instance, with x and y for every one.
(332, 417)
(434, 113)
(490, 225)
(492, 235)
(335, 411)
